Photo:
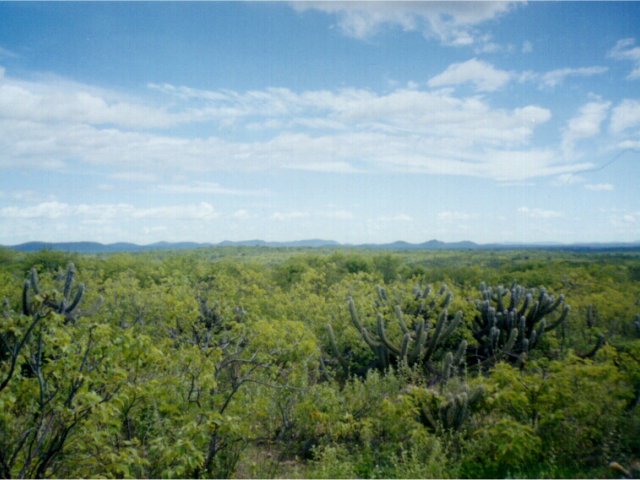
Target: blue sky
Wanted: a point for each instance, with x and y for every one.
(357, 122)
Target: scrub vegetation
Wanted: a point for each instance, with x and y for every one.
(314, 363)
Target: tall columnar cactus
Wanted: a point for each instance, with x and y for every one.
(510, 322)
(422, 337)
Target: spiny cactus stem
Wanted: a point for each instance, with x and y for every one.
(447, 300)
(513, 335)
(71, 270)
(400, 317)
(76, 299)
(404, 349)
(527, 301)
(421, 336)
(370, 341)
(334, 344)
(26, 305)
(354, 315)
(436, 334)
(33, 278)
(599, 344)
(383, 336)
(562, 318)
(453, 325)
(448, 362)
(459, 356)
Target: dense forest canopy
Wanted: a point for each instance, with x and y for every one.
(319, 363)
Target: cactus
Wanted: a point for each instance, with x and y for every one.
(421, 340)
(33, 300)
(439, 411)
(600, 342)
(511, 322)
(37, 306)
(592, 316)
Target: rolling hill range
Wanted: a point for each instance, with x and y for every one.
(95, 247)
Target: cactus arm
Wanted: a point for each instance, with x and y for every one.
(421, 335)
(453, 325)
(354, 315)
(446, 300)
(511, 341)
(71, 270)
(26, 304)
(334, 345)
(76, 300)
(436, 335)
(562, 318)
(447, 366)
(400, 318)
(527, 301)
(404, 349)
(33, 279)
(382, 294)
(591, 353)
(382, 334)
(459, 356)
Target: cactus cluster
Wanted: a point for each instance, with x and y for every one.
(37, 306)
(510, 322)
(446, 411)
(33, 300)
(422, 337)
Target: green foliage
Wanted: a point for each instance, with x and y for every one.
(219, 363)
(503, 448)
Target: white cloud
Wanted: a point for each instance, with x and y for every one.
(599, 187)
(484, 76)
(346, 130)
(429, 130)
(454, 216)
(626, 221)
(49, 210)
(398, 217)
(539, 213)
(211, 188)
(556, 77)
(585, 125)
(144, 177)
(625, 115)
(338, 215)
(59, 101)
(285, 216)
(107, 212)
(527, 47)
(452, 23)
(625, 50)
(241, 214)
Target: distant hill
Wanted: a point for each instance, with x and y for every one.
(95, 247)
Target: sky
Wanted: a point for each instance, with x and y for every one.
(351, 121)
